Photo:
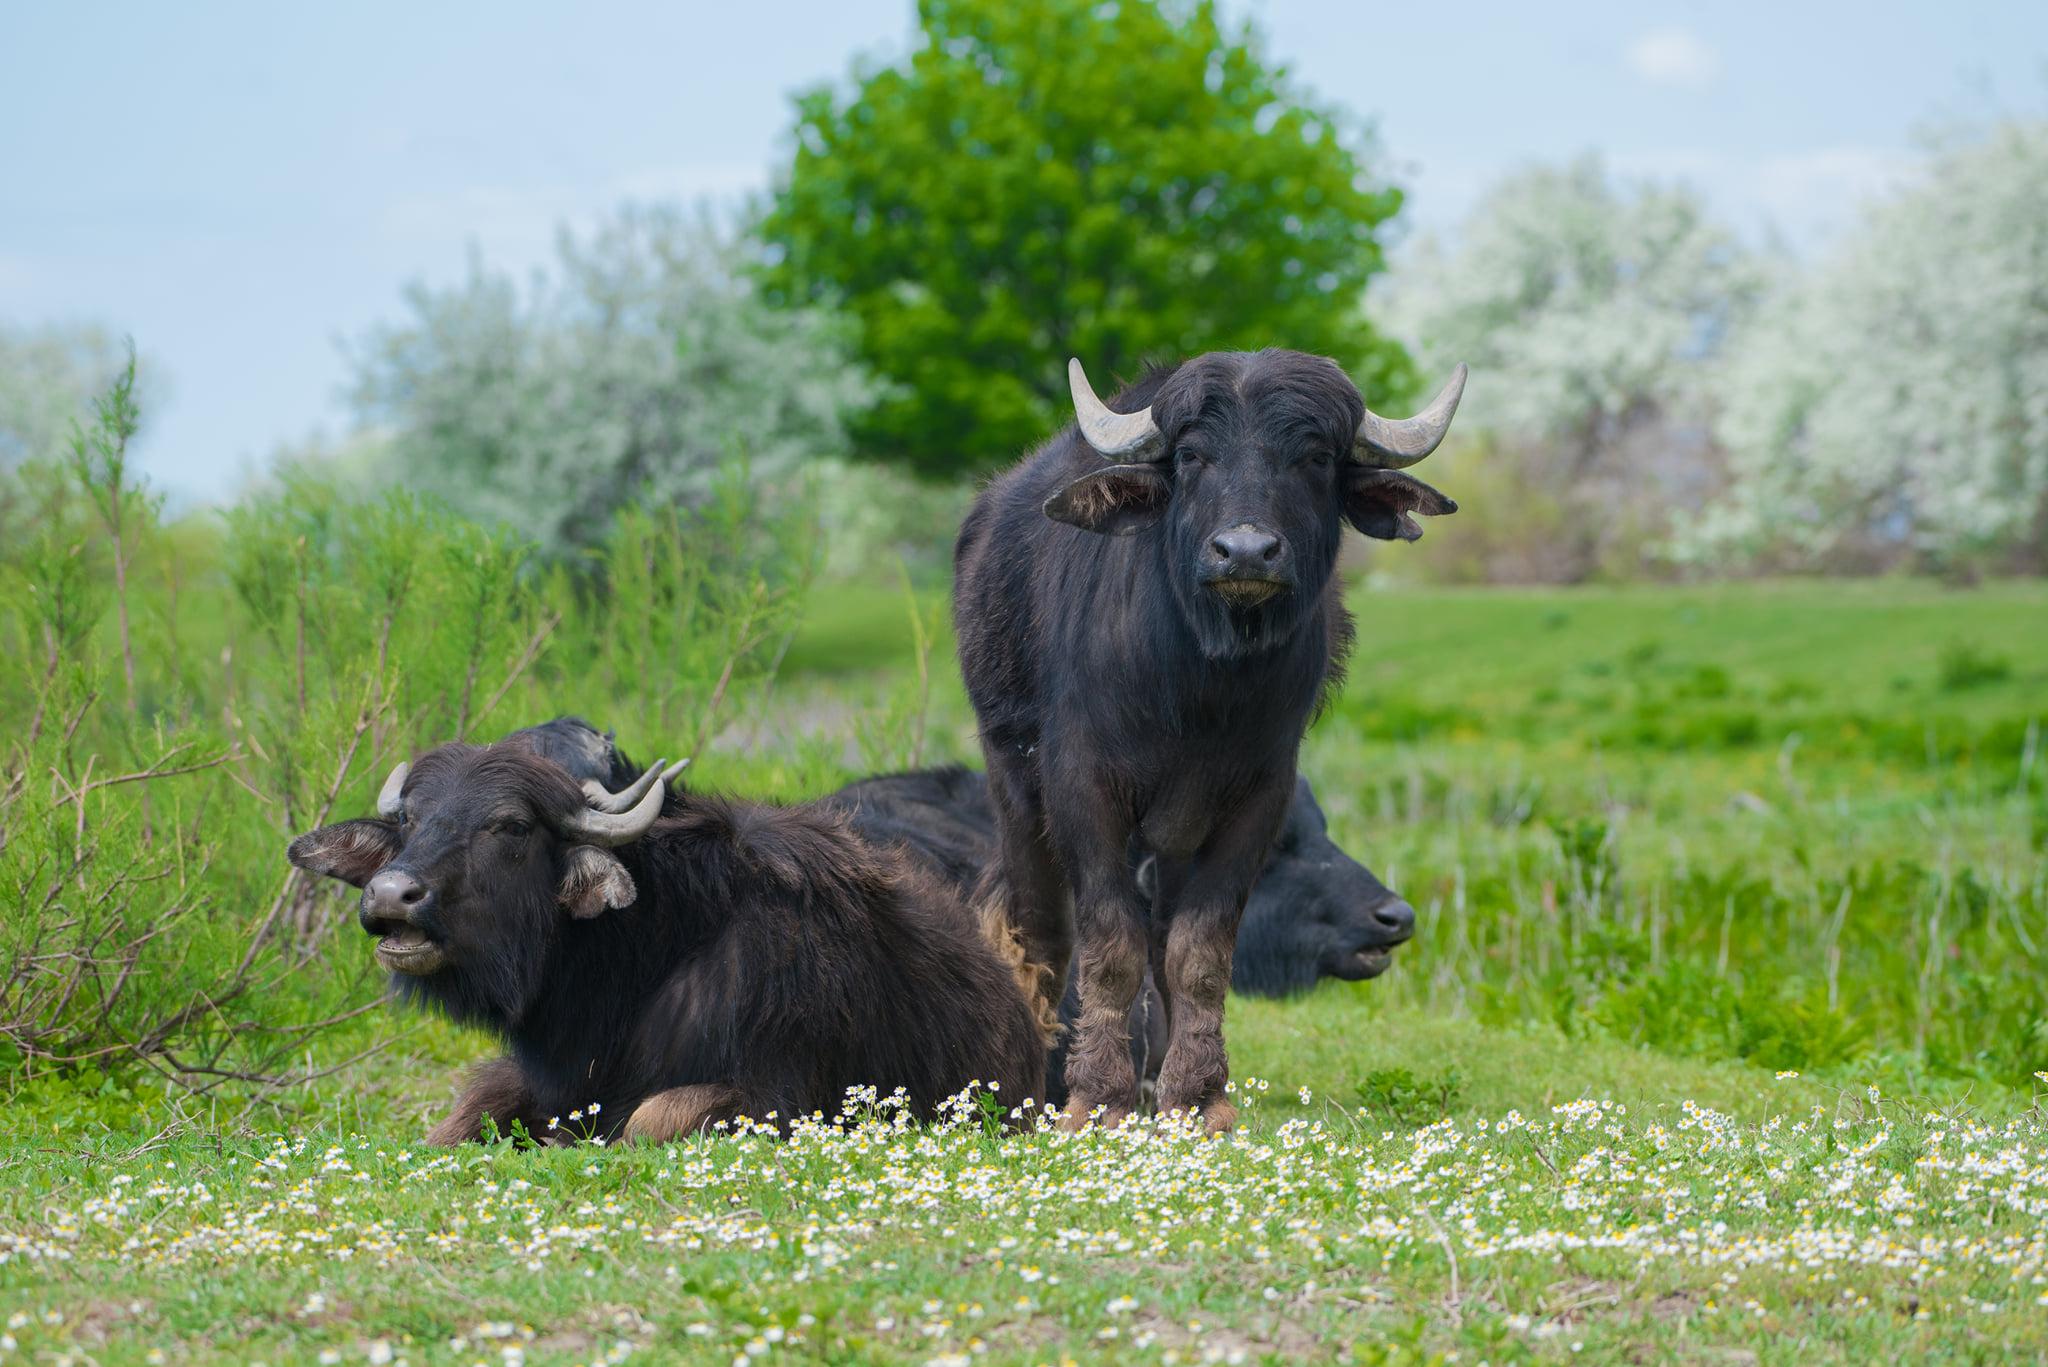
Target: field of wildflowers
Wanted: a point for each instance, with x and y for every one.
(1593, 1229)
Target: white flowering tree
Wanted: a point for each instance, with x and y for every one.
(1591, 312)
(637, 368)
(1893, 404)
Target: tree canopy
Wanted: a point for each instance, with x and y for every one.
(1123, 182)
(1893, 401)
(1580, 300)
(1594, 313)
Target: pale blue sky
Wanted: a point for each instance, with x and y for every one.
(241, 185)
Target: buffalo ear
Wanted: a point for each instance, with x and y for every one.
(352, 851)
(1116, 500)
(592, 879)
(1378, 503)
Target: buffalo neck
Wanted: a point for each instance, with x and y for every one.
(1164, 653)
(603, 970)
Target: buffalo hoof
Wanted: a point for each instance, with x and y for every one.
(1079, 1115)
(1215, 1117)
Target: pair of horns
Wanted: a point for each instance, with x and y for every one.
(608, 818)
(1385, 443)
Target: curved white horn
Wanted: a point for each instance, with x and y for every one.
(614, 828)
(602, 799)
(1131, 438)
(391, 797)
(1392, 444)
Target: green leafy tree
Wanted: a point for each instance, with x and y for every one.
(1123, 182)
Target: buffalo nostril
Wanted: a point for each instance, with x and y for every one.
(392, 894)
(1246, 545)
(1396, 916)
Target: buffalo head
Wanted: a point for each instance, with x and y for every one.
(1315, 912)
(1251, 462)
(476, 858)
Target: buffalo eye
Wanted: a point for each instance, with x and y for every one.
(1185, 456)
(513, 828)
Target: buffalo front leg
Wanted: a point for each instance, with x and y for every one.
(1109, 921)
(1194, 1076)
(496, 1090)
(680, 1111)
(1201, 938)
(1100, 1072)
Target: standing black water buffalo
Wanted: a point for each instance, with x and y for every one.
(1148, 617)
(1314, 913)
(728, 958)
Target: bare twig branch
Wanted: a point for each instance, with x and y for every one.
(521, 665)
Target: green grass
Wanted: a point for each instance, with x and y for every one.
(1820, 1229)
(1666, 845)
(857, 628)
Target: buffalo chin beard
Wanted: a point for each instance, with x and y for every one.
(1245, 594)
(1227, 628)
(491, 986)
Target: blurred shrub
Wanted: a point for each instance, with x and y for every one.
(640, 368)
(1015, 192)
(875, 517)
(1965, 664)
(48, 377)
(1518, 524)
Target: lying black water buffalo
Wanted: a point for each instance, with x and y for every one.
(1148, 616)
(727, 958)
(1314, 913)
(609, 779)
(590, 756)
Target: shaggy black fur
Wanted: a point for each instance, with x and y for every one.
(740, 958)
